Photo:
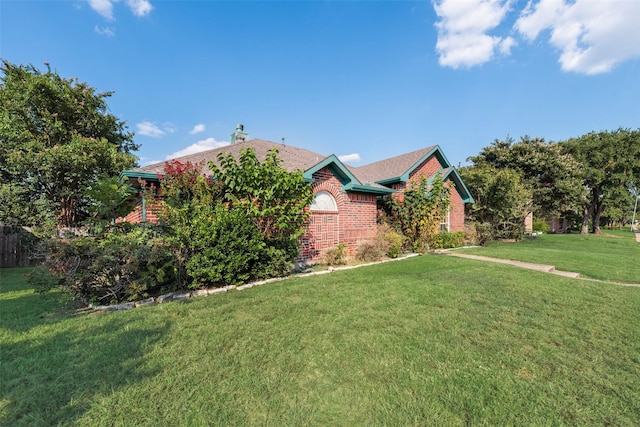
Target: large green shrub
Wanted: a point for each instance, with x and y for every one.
(228, 249)
(241, 224)
(502, 202)
(541, 225)
(448, 240)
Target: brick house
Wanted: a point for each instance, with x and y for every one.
(345, 206)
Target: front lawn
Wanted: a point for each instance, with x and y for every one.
(431, 340)
(613, 256)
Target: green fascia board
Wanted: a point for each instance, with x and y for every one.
(147, 176)
(369, 189)
(389, 181)
(336, 166)
(454, 175)
(444, 163)
(347, 179)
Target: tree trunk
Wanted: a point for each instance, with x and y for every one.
(597, 213)
(586, 213)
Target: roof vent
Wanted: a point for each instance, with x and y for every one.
(239, 135)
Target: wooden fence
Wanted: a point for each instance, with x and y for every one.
(16, 247)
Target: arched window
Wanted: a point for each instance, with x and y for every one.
(324, 201)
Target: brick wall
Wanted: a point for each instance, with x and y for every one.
(429, 168)
(456, 213)
(354, 221)
(134, 217)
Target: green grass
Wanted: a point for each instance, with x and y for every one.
(430, 340)
(614, 256)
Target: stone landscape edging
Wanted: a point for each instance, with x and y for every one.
(176, 296)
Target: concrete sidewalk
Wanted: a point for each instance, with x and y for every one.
(528, 265)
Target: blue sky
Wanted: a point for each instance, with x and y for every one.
(364, 80)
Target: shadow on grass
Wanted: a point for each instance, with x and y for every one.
(19, 312)
(51, 376)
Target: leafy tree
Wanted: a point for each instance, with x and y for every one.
(274, 199)
(57, 139)
(502, 201)
(551, 174)
(610, 167)
(420, 211)
(110, 198)
(243, 223)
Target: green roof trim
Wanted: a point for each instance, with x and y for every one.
(389, 181)
(147, 176)
(444, 163)
(367, 188)
(437, 151)
(336, 166)
(347, 179)
(454, 176)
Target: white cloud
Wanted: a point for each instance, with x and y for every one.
(169, 127)
(105, 7)
(140, 7)
(105, 31)
(350, 158)
(505, 45)
(149, 129)
(462, 31)
(202, 145)
(197, 129)
(592, 36)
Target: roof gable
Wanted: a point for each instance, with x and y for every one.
(349, 181)
(399, 168)
(452, 175)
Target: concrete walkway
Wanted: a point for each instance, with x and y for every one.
(538, 267)
(637, 236)
(528, 265)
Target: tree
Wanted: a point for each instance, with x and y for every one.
(551, 174)
(276, 200)
(420, 211)
(57, 139)
(242, 223)
(610, 166)
(502, 201)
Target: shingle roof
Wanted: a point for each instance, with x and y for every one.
(293, 158)
(390, 168)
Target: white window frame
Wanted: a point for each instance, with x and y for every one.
(445, 226)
